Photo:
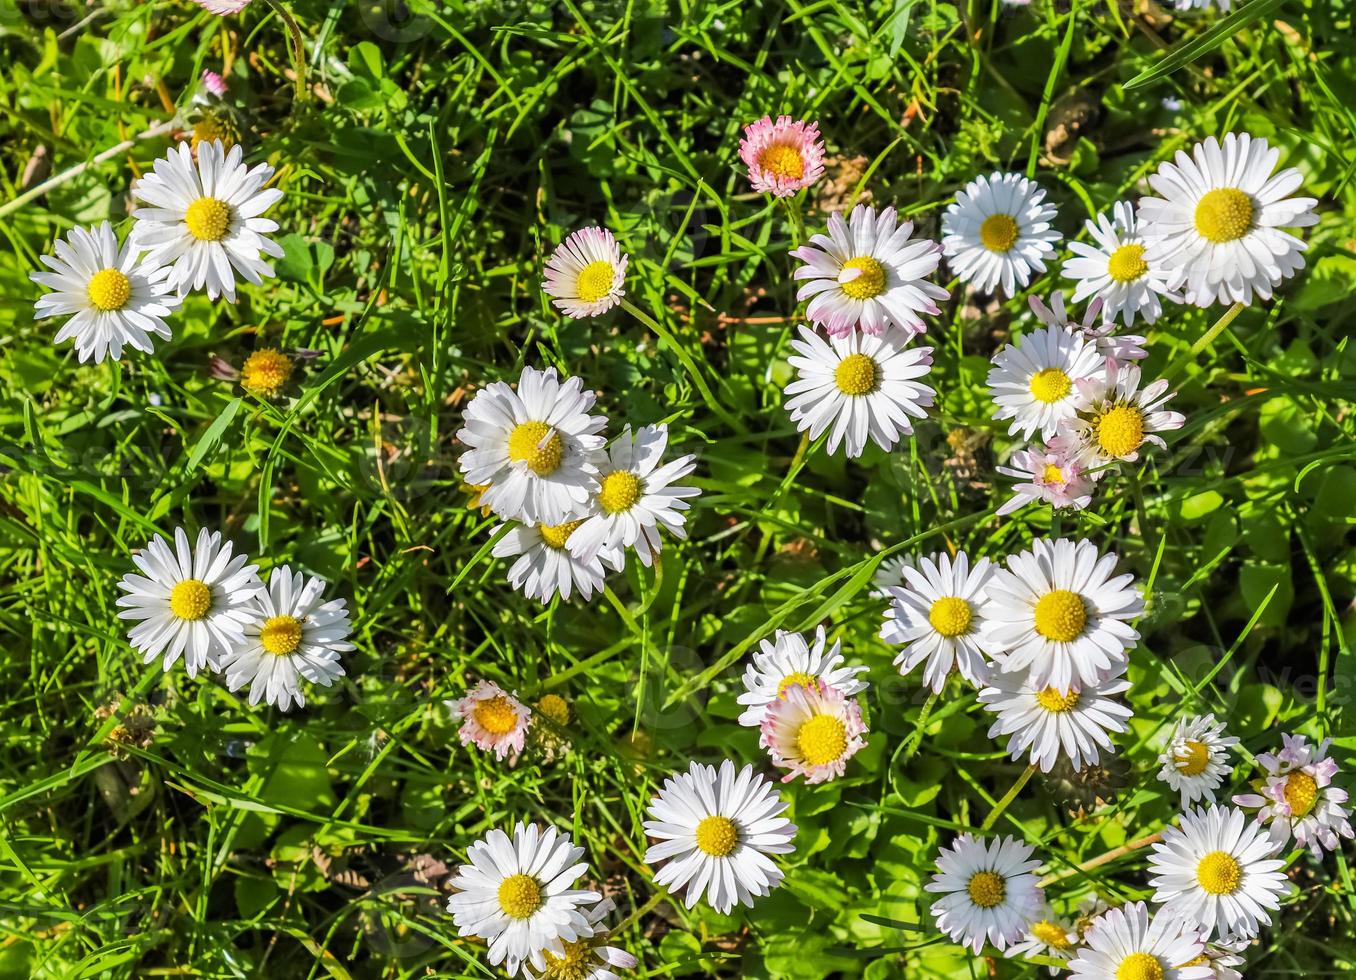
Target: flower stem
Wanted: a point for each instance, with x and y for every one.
(1007, 799)
(688, 363)
(1102, 859)
(1209, 336)
(298, 50)
(922, 725)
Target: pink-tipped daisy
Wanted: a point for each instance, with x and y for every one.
(493, 720)
(1117, 418)
(1046, 475)
(1296, 796)
(1119, 347)
(813, 731)
(782, 156)
(586, 274)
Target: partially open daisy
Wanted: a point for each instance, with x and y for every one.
(536, 449)
(1047, 936)
(1296, 796)
(1196, 758)
(493, 720)
(189, 601)
(204, 218)
(1046, 475)
(517, 895)
(716, 829)
(989, 891)
(1128, 944)
(295, 634)
(937, 616)
(1224, 958)
(1216, 228)
(813, 731)
(1115, 270)
(782, 156)
(1118, 418)
(868, 274)
(1044, 722)
(546, 567)
(789, 661)
(588, 958)
(1217, 872)
(111, 296)
(586, 274)
(997, 232)
(1034, 381)
(863, 386)
(1118, 347)
(1058, 612)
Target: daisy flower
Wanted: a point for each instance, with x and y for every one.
(1196, 758)
(204, 218)
(937, 616)
(546, 567)
(193, 601)
(1203, 4)
(537, 448)
(517, 895)
(867, 274)
(1049, 476)
(1217, 225)
(1114, 269)
(1046, 721)
(889, 572)
(1223, 957)
(1058, 612)
(295, 633)
(1217, 872)
(223, 7)
(782, 156)
(1034, 382)
(1128, 944)
(586, 958)
(1047, 936)
(861, 385)
(1118, 347)
(493, 720)
(997, 232)
(266, 372)
(636, 497)
(988, 891)
(1296, 796)
(813, 731)
(1121, 417)
(788, 660)
(716, 829)
(586, 274)
(112, 297)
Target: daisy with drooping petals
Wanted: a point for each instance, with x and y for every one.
(782, 156)
(1118, 347)
(863, 386)
(189, 601)
(294, 634)
(1034, 382)
(937, 616)
(1217, 872)
(536, 449)
(716, 829)
(588, 958)
(1050, 476)
(1047, 936)
(1118, 417)
(112, 297)
(492, 720)
(1128, 944)
(812, 730)
(1296, 796)
(1196, 758)
(1216, 228)
(997, 232)
(546, 567)
(1046, 721)
(586, 274)
(787, 661)
(517, 895)
(989, 891)
(204, 218)
(868, 274)
(1115, 271)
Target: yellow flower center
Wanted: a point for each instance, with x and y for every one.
(1049, 385)
(950, 616)
(717, 836)
(1052, 474)
(855, 374)
(821, 740)
(213, 129)
(1224, 215)
(1061, 615)
(281, 634)
(783, 161)
(1201, 960)
(520, 896)
(595, 280)
(797, 679)
(998, 233)
(576, 962)
(620, 491)
(555, 535)
(870, 283)
(1120, 431)
(538, 445)
(1057, 701)
(496, 715)
(1052, 934)
(1140, 966)
(191, 599)
(1127, 263)
(109, 290)
(207, 219)
(265, 372)
(1193, 759)
(1301, 793)
(1219, 873)
(556, 708)
(987, 889)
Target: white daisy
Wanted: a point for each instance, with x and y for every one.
(1203, 4)
(716, 830)
(1048, 475)
(586, 274)
(1217, 872)
(517, 895)
(1223, 957)
(937, 617)
(492, 720)
(636, 497)
(867, 274)
(1117, 418)
(536, 449)
(546, 567)
(1217, 226)
(1115, 271)
(190, 601)
(997, 232)
(1034, 381)
(1118, 347)
(587, 959)
(862, 385)
(813, 731)
(788, 660)
(204, 218)
(1297, 796)
(988, 891)
(1196, 758)
(112, 297)
(294, 634)
(1045, 722)
(1047, 936)
(889, 572)
(1058, 612)
(1127, 944)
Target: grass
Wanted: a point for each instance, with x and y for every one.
(430, 163)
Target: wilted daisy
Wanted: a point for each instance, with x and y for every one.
(937, 617)
(863, 386)
(1047, 936)
(537, 449)
(787, 661)
(1034, 381)
(988, 891)
(1118, 417)
(1296, 796)
(1058, 612)
(295, 633)
(112, 297)
(1043, 722)
(782, 156)
(1114, 269)
(517, 895)
(1217, 872)
(189, 601)
(204, 218)
(868, 274)
(813, 731)
(586, 274)
(546, 567)
(636, 497)
(1217, 225)
(492, 720)
(589, 958)
(1196, 758)
(716, 829)
(1128, 944)
(1049, 476)
(997, 232)
(1118, 347)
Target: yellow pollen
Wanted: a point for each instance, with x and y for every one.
(191, 599)
(782, 161)
(537, 445)
(1201, 960)
(1219, 873)
(1052, 934)
(576, 962)
(1049, 385)
(555, 535)
(265, 372)
(1140, 966)
(1120, 431)
(1052, 474)
(213, 129)
(1193, 760)
(870, 283)
(496, 715)
(1301, 793)
(821, 740)
(987, 889)
(797, 679)
(595, 280)
(1061, 615)
(281, 634)
(207, 219)
(520, 896)
(1224, 215)
(1057, 701)
(950, 616)
(619, 491)
(556, 708)
(109, 290)
(998, 233)
(717, 836)
(1127, 263)
(855, 375)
